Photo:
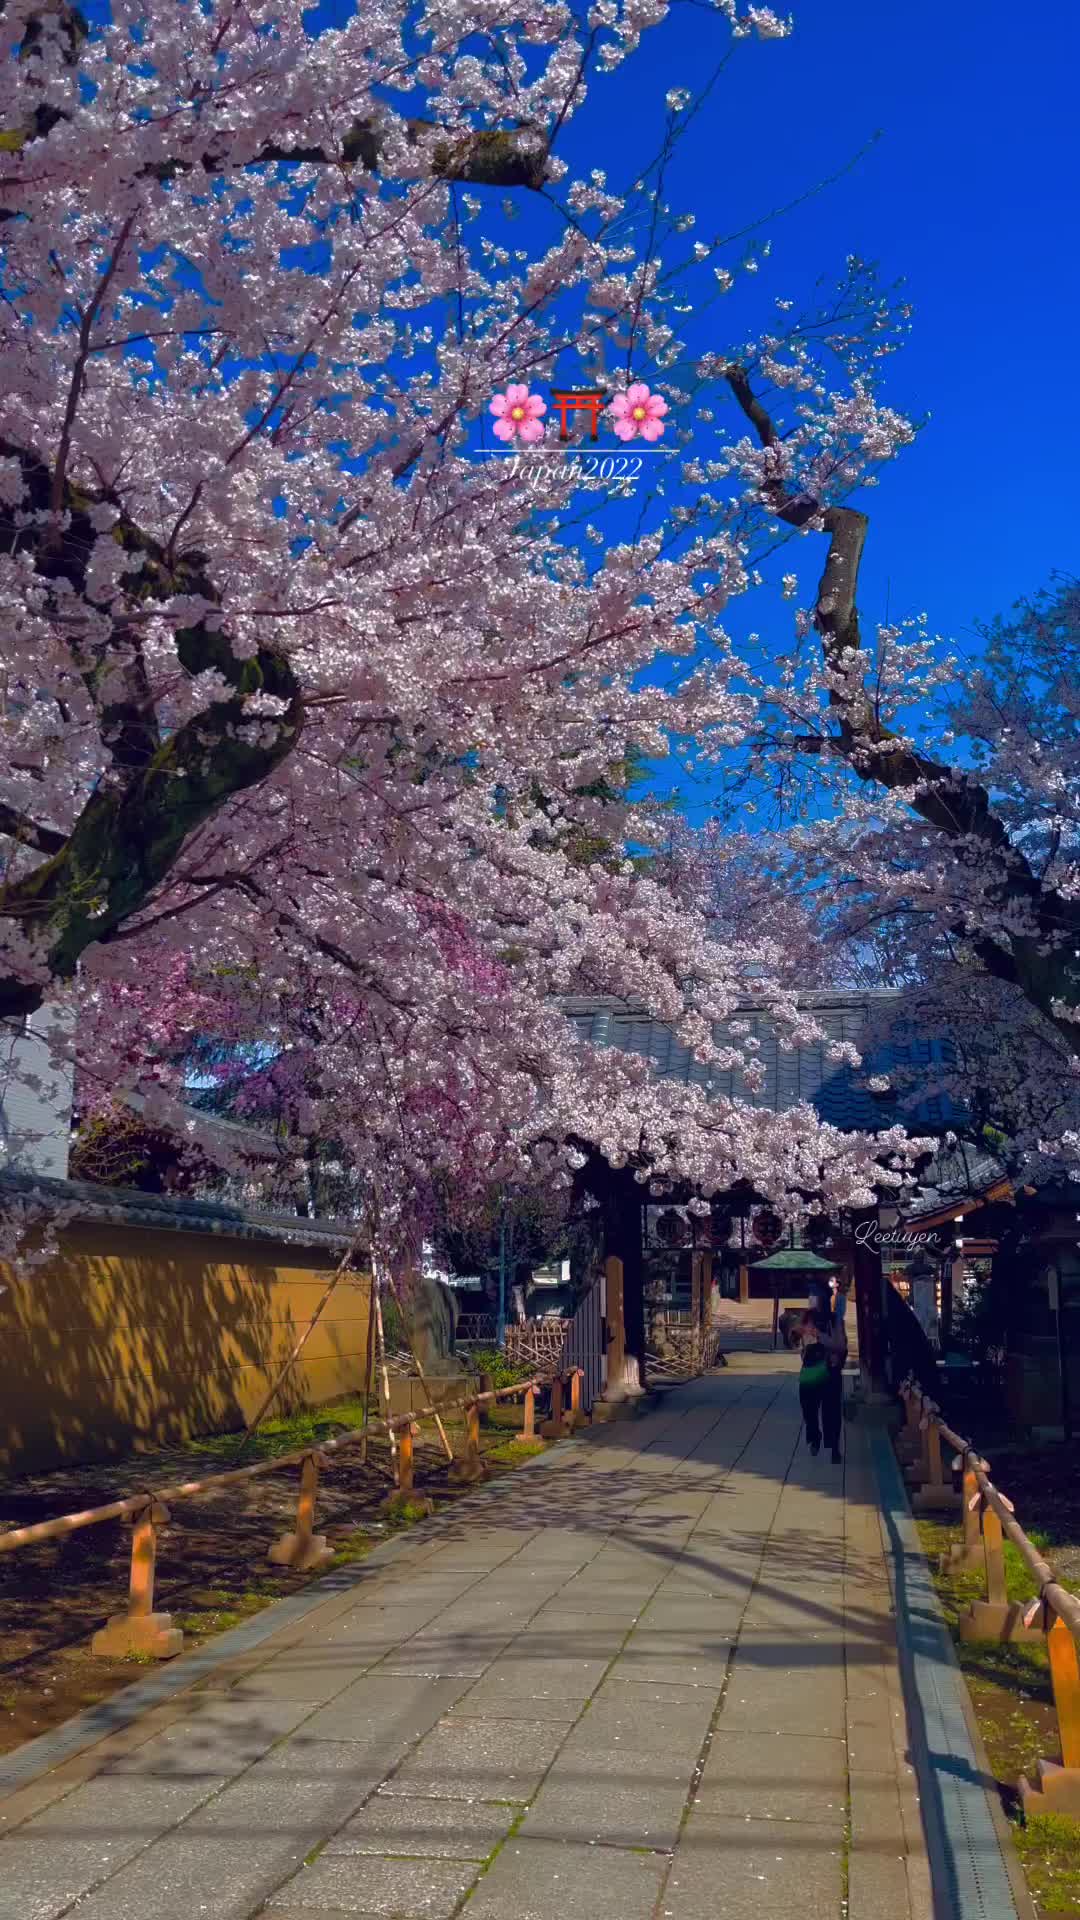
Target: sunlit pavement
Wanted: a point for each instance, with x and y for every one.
(652, 1675)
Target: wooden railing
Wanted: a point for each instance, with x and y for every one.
(141, 1630)
(1053, 1617)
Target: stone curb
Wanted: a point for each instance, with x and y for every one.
(975, 1873)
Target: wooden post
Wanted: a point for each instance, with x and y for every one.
(936, 1494)
(1058, 1790)
(406, 1438)
(994, 1556)
(303, 1549)
(744, 1283)
(575, 1393)
(555, 1427)
(909, 1445)
(1065, 1675)
(529, 1429)
(140, 1629)
(995, 1618)
(469, 1466)
(970, 1552)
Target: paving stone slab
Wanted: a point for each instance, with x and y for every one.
(753, 1868)
(646, 1720)
(192, 1874)
(304, 1791)
(631, 1809)
(774, 1776)
(678, 1659)
(548, 1880)
(89, 1834)
(480, 1703)
(385, 1712)
(479, 1760)
(378, 1888)
(315, 1677)
(222, 1737)
(434, 1829)
(519, 1676)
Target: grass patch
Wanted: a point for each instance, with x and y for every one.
(287, 1433)
(356, 1546)
(510, 1453)
(1050, 1850)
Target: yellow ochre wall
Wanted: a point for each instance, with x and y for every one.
(134, 1337)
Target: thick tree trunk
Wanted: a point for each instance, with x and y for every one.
(622, 1198)
(870, 1314)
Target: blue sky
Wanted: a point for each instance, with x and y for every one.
(973, 194)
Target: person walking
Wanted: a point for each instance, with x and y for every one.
(821, 1378)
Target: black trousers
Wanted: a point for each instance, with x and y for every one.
(823, 1409)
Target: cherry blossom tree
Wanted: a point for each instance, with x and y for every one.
(309, 714)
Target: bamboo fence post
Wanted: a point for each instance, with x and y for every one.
(140, 1629)
(303, 1549)
(428, 1395)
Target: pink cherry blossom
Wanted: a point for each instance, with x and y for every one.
(308, 729)
(518, 414)
(639, 411)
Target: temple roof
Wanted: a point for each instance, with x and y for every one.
(793, 1073)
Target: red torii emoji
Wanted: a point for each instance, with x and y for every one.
(584, 402)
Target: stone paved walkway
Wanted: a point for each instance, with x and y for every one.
(652, 1676)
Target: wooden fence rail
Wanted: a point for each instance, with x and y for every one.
(140, 1629)
(1053, 1617)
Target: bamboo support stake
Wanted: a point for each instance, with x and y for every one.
(303, 1549)
(140, 1629)
(369, 1371)
(383, 1368)
(428, 1395)
(339, 1274)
